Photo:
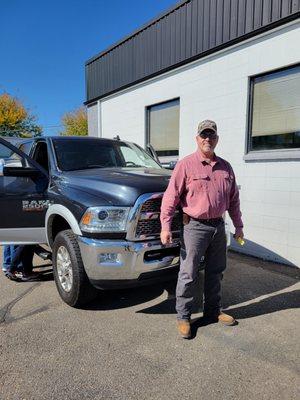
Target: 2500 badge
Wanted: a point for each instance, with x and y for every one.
(36, 205)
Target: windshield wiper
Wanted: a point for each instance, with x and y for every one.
(109, 166)
(98, 166)
(131, 164)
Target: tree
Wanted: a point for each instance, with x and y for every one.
(75, 123)
(15, 119)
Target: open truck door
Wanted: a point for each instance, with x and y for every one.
(23, 197)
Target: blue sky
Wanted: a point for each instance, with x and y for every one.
(44, 45)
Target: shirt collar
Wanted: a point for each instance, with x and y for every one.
(204, 160)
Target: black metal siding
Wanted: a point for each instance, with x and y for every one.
(191, 29)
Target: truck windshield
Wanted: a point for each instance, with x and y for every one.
(85, 153)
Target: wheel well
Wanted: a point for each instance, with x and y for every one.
(56, 225)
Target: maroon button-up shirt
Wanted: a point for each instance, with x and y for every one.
(203, 190)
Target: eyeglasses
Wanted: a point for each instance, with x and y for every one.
(208, 135)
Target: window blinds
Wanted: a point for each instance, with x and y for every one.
(164, 126)
(276, 103)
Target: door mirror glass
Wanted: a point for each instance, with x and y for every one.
(9, 158)
(13, 163)
(171, 165)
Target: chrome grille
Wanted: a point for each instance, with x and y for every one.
(147, 217)
(152, 205)
(153, 227)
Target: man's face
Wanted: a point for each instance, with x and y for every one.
(207, 141)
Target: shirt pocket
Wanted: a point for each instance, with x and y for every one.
(227, 179)
(199, 183)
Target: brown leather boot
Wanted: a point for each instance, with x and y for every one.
(226, 319)
(184, 328)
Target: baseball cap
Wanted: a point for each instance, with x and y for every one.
(207, 124)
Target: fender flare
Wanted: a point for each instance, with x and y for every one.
(64, 212)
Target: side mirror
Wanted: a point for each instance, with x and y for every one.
(172, 164)
(169, 165)
(152, 152)
(27, 172)
(10, 162)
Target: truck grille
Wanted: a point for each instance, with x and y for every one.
(153, 227)
(148, 218)
(152, 205)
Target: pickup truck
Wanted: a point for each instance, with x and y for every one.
(96, 203)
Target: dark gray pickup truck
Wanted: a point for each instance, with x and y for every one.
(96, 203)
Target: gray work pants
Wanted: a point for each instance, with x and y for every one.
(208, 240)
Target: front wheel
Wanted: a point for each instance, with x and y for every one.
(70, 277)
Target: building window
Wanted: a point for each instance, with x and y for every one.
(274, 121)
(163, 127)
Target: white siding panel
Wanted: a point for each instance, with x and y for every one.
(92, 113)
(217, 88)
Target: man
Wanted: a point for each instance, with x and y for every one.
(203, 184)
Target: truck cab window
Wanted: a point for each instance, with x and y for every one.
(26, 146)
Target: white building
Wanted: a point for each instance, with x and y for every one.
(238, 66)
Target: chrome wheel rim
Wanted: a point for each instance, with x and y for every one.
(64, 268)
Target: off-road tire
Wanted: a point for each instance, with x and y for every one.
(82, 290)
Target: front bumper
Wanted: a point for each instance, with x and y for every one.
(111, 263)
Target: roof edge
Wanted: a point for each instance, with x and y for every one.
(261, 30)
(135, 32)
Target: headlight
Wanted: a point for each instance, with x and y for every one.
(105, 219)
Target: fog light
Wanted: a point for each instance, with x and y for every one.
(108, 258)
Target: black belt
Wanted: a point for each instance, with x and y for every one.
(209, 221)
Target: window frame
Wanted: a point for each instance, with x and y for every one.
(265, 155)
(147, 123)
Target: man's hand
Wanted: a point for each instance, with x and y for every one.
(239, 233)
(166, 237)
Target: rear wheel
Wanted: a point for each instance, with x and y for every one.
(70, 277)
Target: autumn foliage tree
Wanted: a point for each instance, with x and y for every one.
(15, 119)
(75, 123)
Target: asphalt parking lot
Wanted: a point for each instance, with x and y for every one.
(125, 345)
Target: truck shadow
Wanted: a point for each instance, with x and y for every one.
(271, 304)
(124, 298)
(248, 291)
(45, 271)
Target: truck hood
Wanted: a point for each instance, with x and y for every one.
(118, 186)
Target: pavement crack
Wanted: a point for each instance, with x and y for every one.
(6, 310)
